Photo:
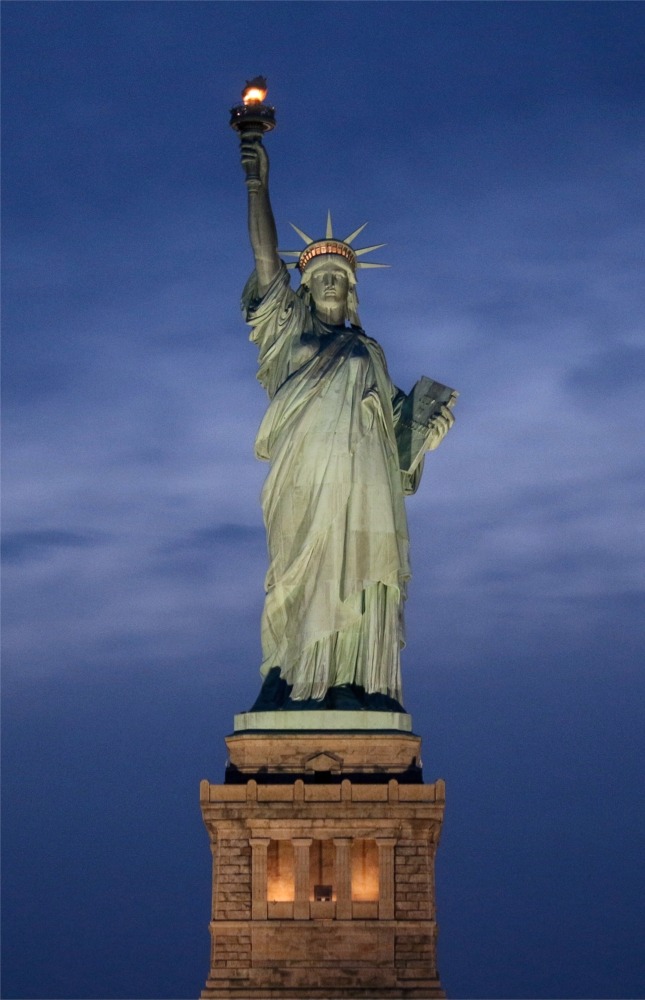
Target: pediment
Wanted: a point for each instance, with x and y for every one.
(323, 762)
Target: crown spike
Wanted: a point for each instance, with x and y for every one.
(330, 245)
(357, 232)
(291, 266)
(303, 236)
(377, 246)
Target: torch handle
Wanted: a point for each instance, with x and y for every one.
(252, 135)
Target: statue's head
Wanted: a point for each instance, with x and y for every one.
(330, 283)
(328, 273)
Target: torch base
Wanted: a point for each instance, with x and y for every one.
(256, 117)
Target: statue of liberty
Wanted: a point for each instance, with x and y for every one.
(333, 501)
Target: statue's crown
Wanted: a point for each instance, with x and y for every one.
(318, 247)
(314, 249)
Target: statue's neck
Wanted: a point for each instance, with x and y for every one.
(333, 315)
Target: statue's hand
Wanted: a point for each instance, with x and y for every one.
(255, 163)
(441, 424)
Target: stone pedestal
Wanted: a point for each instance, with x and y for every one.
(323, 849)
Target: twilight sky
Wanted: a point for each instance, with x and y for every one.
(498, 149)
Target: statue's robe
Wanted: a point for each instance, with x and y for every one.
(332, 501)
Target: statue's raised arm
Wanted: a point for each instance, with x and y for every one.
(262, 231)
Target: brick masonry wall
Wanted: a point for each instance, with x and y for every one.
(230, 959)
(413, 898)
(414, 957)
(232, 871)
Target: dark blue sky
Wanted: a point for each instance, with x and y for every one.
(498, 149)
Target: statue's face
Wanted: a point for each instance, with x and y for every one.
(329, 285)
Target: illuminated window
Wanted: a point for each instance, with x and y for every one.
(365, 885)
(280, 872)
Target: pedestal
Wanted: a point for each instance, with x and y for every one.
(323, 847)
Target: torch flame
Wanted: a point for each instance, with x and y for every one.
(255, 90)
(253, 95)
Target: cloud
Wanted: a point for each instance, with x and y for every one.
(601, 383)
(19, 546)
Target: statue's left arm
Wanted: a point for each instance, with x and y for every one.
(436, 432)
(441, 424)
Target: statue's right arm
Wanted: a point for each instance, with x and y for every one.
(262, 231)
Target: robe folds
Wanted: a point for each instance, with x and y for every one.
(333, 501)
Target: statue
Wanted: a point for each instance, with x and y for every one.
(333, 501)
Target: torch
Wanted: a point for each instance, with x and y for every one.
(252, 118)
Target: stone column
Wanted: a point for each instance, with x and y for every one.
(301, 847)
(386, 877)
(343, 878)
(259, 847)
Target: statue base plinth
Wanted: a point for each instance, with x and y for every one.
(322, 720)
(332, 755)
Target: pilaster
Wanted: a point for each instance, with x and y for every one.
(343, 878)
(301, 847)
(386, 847)
(259, 904)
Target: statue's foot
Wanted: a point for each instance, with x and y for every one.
(306, 705)
(379, 702)
(346, 698)
(273, 693)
